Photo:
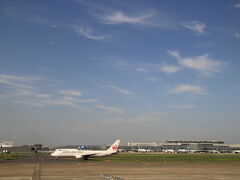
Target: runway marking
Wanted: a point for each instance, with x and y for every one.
(37, 170)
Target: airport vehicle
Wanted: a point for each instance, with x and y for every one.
(85, 154)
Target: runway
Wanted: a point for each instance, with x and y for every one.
(48, 168)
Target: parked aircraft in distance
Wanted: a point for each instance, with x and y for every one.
(85, 154)
(182, 151)
(168, 151)
(236, 151)
(143, 150)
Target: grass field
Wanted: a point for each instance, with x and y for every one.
(11, 156)
(155, 158)
(148, 158)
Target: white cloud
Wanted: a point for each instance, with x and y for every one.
(11, 78)
(64, 101)
(120, 90)
(186, 106)
(169, 69)
(151, 79)
(53, 25)
(87, 100)
(197, 27)
(187, 88)
(145, 116)
(24, 92)
(140, 69)
(70, 93)
(203, 63)
(51, 43)
(175, 54)
(119, 17)
(237, 5)
(237, 35)
(16, 81)
(89, 33)
(111, 110)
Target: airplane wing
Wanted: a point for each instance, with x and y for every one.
(85, 155)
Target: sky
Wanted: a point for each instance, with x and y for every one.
(90, 72)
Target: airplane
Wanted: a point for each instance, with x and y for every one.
(85, 154)
(236, 151)
(143, 150)
(168, 151)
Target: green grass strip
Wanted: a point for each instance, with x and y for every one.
(154, 158)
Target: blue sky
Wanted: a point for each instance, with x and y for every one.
(88, 72)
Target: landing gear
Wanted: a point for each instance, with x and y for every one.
(85, 158)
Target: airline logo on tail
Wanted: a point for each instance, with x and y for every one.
(114, 147)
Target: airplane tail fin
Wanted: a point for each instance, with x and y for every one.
(81, 147)
(114, 147)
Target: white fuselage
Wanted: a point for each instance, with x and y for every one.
(85, 154)
(79, 153)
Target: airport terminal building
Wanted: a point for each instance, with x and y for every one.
(6, 144)
(189, 145)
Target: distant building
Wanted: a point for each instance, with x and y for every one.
(142, 144)
(189, 145)
(6, 144)
(191, 141)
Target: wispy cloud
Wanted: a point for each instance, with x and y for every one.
(120, 90)
(89, 33)
(175, 54)
(186, 106)
(142, 117)
(51, 43)
(113, 16)
(203, 63)
(63, 101)
(21, 86)
(141, 69)
(6, 77)
(187, 88)
(87, 100)
(111, 110)
(197, 27)
(237, 5)
(151, 79)
(127, 65)
(169, 69)
(17, 81)
(82, 30)
(26, 90)
(70, 93)
(119, 17)
(237, 35)
(53, 25)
